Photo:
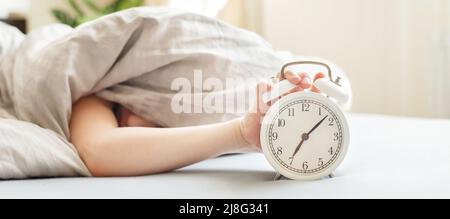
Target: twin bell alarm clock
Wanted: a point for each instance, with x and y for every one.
(305, 135)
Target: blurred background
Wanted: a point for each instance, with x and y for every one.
(396, 52)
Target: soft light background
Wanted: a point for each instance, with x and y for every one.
(396, 52)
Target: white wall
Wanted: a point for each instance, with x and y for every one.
(6, 6)
(40, 11)
(396, 52)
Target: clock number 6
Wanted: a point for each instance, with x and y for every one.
(305, 166)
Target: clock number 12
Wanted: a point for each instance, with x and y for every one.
(305, 107)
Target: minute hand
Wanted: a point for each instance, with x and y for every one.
(317, 125)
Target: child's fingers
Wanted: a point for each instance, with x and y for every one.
(317, 77)
(306, 81)
(302, 80)
(292, 77)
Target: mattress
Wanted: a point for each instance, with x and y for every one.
(390, 157)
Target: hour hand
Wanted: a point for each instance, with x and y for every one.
(298, 147)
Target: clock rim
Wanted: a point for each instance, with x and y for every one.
(269, 118)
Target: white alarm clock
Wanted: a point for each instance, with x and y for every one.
(305, 135)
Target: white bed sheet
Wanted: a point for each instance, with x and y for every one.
(390, 157)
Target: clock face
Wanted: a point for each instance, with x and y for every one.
(304, 136)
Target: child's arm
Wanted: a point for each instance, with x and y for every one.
(109, 150)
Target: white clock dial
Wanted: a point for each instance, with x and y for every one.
(304, 136)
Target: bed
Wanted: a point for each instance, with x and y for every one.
(390, 157)
(147, 60)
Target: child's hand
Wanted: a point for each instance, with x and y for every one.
(251, 124)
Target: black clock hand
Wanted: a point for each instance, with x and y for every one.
(317, 126)
(305, 136)
(298, 147)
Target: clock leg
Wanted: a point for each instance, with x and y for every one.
(278, 177)
(332, 175)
